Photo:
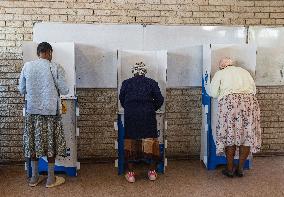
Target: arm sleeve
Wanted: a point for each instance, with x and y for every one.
(215, 86)
(157, 96)
(61, 81)
(22, 82)
(122, 94)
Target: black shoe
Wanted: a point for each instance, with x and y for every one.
(228, 173)
(239, 173)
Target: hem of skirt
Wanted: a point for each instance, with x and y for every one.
(44, 155)
(253, 149)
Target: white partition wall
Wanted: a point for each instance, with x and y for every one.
(270, 58)
(185, 67)
(266, 36)
(243, 56)
(96, 47)
(159, 36)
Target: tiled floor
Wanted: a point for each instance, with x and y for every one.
(183, 178)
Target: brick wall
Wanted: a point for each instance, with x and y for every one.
(98, 106)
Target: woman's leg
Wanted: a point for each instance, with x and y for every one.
(35, 174)
(51, 177)
(230, 153)
(130, 166)
(53, 181)
(130, 151)
(244, 153)
(153, 165)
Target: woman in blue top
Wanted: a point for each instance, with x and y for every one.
(141, 98)
(42, 82)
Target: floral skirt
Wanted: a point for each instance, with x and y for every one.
(238, 122)
(147, 148)
(43, 136)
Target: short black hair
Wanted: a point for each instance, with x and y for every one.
(43, 47)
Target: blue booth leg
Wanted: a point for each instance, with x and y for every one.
(43, 168)
(121, 132)
(161, 165)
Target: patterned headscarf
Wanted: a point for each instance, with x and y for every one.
(139, 68)
(225, 62)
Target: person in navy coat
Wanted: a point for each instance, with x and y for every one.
(140, 97)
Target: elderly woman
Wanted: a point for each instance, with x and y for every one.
(140, 97)
(238, 125)
(42, 81)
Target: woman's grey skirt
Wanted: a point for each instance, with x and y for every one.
(43, 136)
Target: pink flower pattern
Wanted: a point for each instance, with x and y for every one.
(238, 122)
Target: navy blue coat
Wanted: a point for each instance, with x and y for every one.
(141, 98)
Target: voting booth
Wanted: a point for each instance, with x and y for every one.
(243, 56)
(156, 63)
(63, 54)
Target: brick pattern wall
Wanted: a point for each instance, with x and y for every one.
(272, 118)
(98, 106)
(98, 109)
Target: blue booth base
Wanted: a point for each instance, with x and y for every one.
(221, 160)
(43, 168)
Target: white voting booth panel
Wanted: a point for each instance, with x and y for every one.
(243, 56)
(156, 63)
(270, 66)
(96, 47)
(63, 54)
(270, 58)
(184, 67)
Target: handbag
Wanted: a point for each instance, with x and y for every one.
(59, 102)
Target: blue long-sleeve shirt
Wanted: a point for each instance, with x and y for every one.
(38, 80)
